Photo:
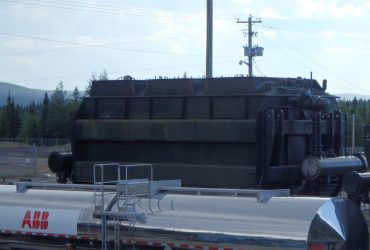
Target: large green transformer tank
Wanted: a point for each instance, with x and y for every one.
(234, 132)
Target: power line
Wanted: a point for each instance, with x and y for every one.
(311, 33)
(70, 48)
(326, 69)
(76, 6)
(258, 69)
(286, 53)
(82, 45)
(110, 10)
(97, 46)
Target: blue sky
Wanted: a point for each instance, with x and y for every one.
(43, 42)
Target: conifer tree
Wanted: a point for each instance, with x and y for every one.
(30, 126)
(44, 117)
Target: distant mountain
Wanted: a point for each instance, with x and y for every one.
(22, 95)
(350, 97)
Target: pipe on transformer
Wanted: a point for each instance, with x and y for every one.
(356, 183)
(313, 167)
(60, 162)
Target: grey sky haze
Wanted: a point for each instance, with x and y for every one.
(43, 42)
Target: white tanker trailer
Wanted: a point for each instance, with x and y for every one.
(161, 215)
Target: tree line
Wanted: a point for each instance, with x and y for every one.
(360, 109)
(49, 119)
(52, 118)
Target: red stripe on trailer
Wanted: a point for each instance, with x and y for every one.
(157, 244)
(140, 242)
(317, 246)
(85, 237)
(170, 244)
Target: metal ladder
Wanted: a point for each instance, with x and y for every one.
(125, 204)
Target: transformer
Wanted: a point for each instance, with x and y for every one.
(228, 132)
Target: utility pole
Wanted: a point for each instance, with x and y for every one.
(209, 38)
(249, 50)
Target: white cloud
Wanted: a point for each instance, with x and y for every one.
(306, 9)
(271, 13)
(179, 33)
(89, 40)
(24, 62)
(345, 50)
(40, 14)
(334, 34)
(223, 25)
(243, 2)
(330, 9)
(268, 33)
(19, 44)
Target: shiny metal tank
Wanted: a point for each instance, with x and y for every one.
(186, 221)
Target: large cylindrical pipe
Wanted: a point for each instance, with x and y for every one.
(356, 183)
(313, 167)
(60, 162)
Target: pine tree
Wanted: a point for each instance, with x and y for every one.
(3, 124)
(59, 116)
(17, 121)
(30, 126)
(44, 117)
(76, 95)
(11, 121)
(103, 75)
(89, 84)
(9, 115)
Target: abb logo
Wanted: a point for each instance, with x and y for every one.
(36, 220)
